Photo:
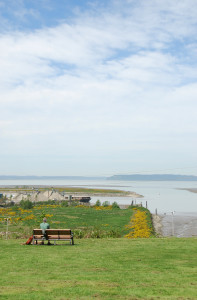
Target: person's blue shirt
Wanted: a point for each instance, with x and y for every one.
(44, 226)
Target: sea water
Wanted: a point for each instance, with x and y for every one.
(165, 196)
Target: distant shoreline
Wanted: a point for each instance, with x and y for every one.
(66, 190)
(192, 190)
(120, 177)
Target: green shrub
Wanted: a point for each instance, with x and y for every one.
(48, 202)
(78, 233)
(26, 204)
(74, 203)
(98, 203)
(64, 203)
(96, 233)
(106, 203)
(115, 205)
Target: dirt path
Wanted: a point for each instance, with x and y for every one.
(157, 223)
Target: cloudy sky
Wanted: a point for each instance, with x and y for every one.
(98, 87)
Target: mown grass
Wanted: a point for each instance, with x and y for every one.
(101, 269)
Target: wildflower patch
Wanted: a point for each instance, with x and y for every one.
(139, 225)
(109, 207)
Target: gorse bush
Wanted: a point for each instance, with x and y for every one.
(106, 207)
(139, 225)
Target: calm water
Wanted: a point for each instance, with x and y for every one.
(163, 195)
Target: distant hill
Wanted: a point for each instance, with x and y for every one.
(154, 177)
(132, 177)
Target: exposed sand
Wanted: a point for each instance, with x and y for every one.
(179, 225)
(192, 190)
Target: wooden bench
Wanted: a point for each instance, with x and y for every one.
(53, 235)
(37, 235)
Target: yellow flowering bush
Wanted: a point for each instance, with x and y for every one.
(5, 211)
(46, 206)
(18, 219)
(48, 216)
(37, 207)
(23, 211)
(138, 226)
(12, 213)
(29, 217)
(103, 207)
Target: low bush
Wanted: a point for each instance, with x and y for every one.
(26, 204)
(96, 233)
(115, 205)
(106, 203)
(64, 203)
(98, 203)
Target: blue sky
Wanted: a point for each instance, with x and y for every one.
(98, 87)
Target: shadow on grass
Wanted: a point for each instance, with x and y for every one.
(48, 245)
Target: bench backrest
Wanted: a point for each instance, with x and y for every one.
(37, 232)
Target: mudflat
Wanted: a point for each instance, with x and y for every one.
(192, 190)
(179, 224)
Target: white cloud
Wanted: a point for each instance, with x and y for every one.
(123, 80)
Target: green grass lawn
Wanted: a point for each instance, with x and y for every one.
(100, 268)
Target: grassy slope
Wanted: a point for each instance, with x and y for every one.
(71, 217)
(101, 269)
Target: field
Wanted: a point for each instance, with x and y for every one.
(84, 221)
(102, 264)
(100, 268)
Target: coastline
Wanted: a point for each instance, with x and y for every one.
(36, 194)
(192, 190)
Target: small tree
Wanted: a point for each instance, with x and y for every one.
(3, 200)
(106, 203)
(98, 203)
(115, 205)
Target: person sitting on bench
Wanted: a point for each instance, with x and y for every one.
(44, 226)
